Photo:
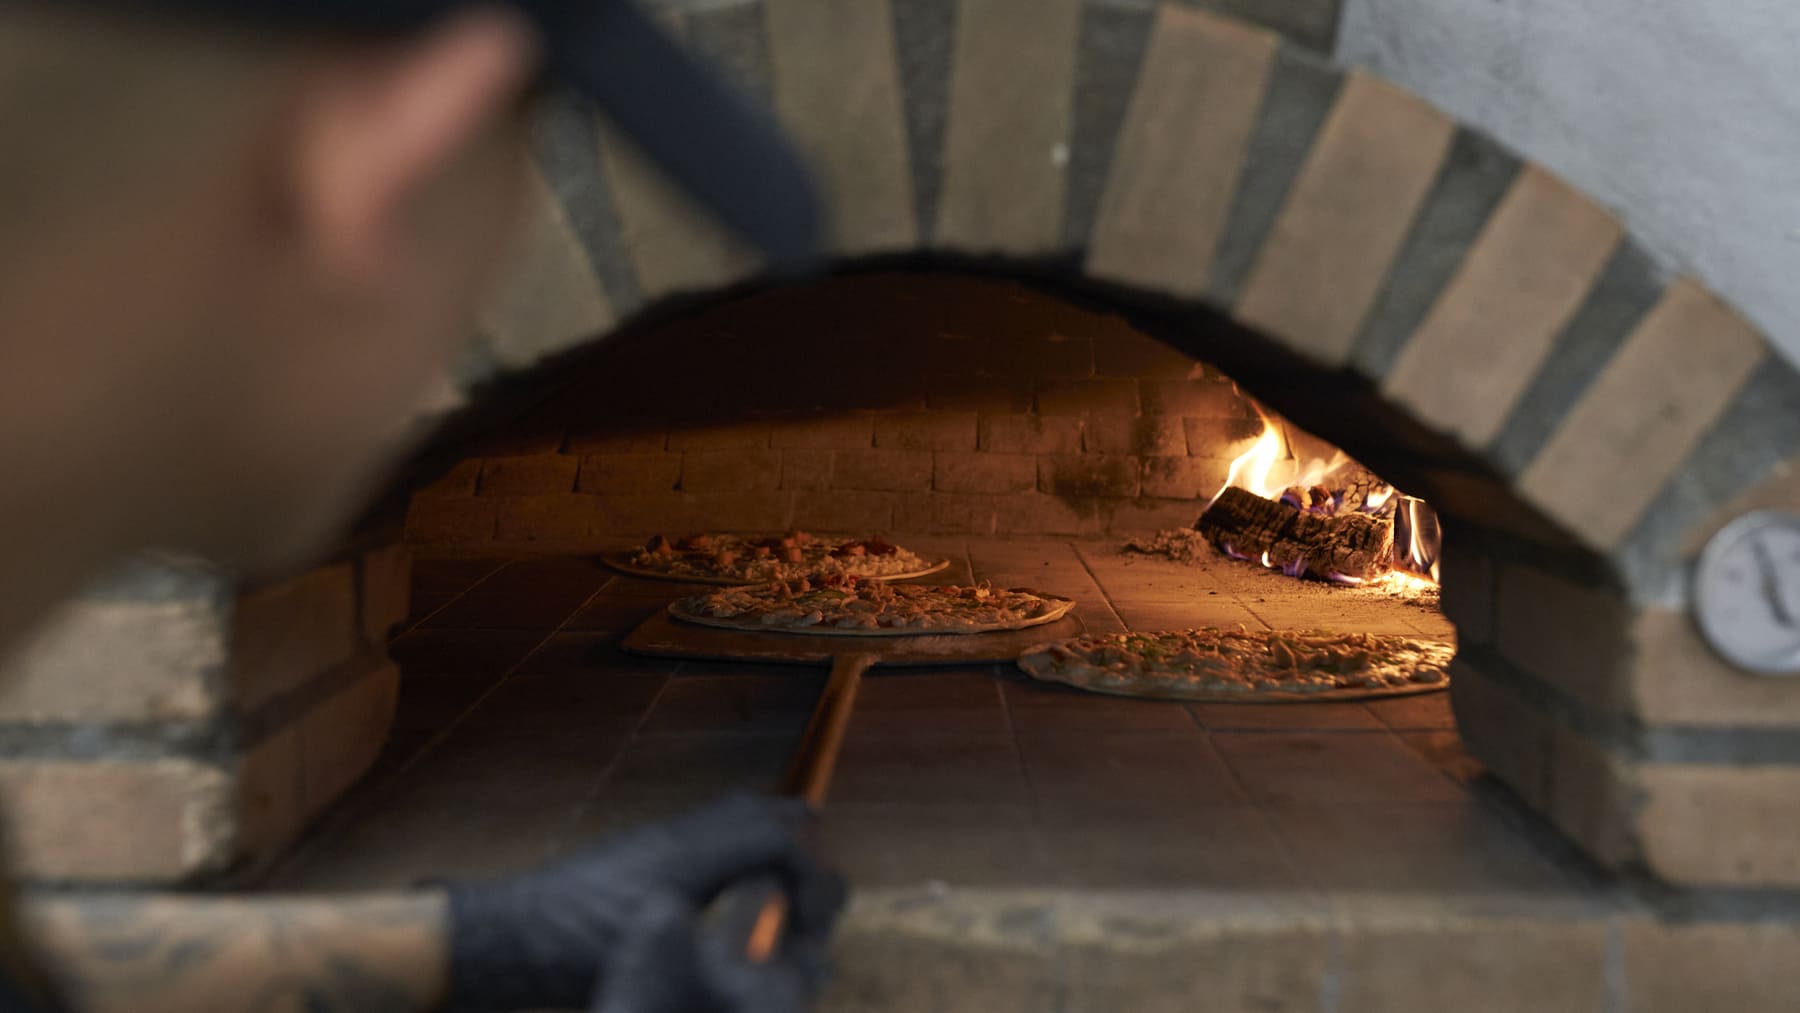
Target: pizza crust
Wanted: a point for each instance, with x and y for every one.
(1304, 668)
(701, 610)
(754, 559)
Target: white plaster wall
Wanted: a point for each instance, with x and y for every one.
(1683, 116)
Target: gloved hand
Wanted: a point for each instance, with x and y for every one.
(628, 907)
(673, 965)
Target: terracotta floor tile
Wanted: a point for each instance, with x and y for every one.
(507, 610)
(1047, 707)
(677, 771)
(1444, 750)
(430, 653)
(877, 845)
(1165, 847)
(1149, 615)
(1338, 767)
(608, 704)
(581, 575)
(451, 576)
(430, 704)
(397, 843)
(930, 701)
(1221, 717)
(478, 764)
(1419, 712)
(613, 614)
(587, 656)
(1083, 767)
(923, 769)
(735, 704)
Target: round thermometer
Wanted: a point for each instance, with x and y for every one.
(1747, 593)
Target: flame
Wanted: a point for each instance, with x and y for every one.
(1377, 500)
(1265, 560)
(1250, 471)
(1422, 537)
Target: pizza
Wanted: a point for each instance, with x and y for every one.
(749, 559)
(1243, 665)
(846, 606)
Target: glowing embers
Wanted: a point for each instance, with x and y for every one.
(1330, 520)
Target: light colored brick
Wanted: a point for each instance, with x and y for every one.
(1183, 478)
(674, 245)
(1723, 826)
(270, 783)
(286, 634)
(1047, 515)
(1642, 417)
(611, 473)
(1180, 151)
(976, 471)
(550, 298)
(1088, 474)
(730, 470)
(1009, 101)
(458, 481)
(664, 512)
(1676, 679)
(341, 736)
(1489, 965)
(1201, 399)
(1329, 251)
(118, 661)
(961, 513)
(837, 88)
(806, 469)
(1140, 435)
(830, 432)
(845, 511)
(1490, 330)
(116, 821)
(1088, 397)
(926, 431)
(386, 575)
(567, 517)
(539, 474)
(1137, 516)
(1591, 797)
(1226, 438)
(739, 437)
(1031, 434)
(451, 521)
(882, 470)
(1690, 967)
(1569, 636)
(1508, 735)
(912, 510)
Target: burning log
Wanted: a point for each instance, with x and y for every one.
(1328, 546)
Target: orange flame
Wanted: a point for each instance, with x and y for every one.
(1250, 470)
(1423, 539)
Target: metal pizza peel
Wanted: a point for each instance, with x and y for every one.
(809, 771)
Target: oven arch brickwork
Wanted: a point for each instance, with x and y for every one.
(1584, 418)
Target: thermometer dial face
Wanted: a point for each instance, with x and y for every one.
(1747, 593)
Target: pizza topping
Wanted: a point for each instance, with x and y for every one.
(797, 553)
(843, 602)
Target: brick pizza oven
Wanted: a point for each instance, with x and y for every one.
(1077, 246)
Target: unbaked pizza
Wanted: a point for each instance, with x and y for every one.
(747, 559)
(848, 606)
(1243, 665)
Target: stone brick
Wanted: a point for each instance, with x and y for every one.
(1725, 826)
(1140, 435)
(845, 511)
(837, 88)
(978, 471)
(1088, 397)
(611, 473)
(287, 634)
(541, 474)
(926, 431)
(1001, 192)
(1183, 478)
(608, 442)
(965, 513)
(1643, 416)
(341, 736)
(116, 821)
(882, 470)
(674, 245)
(1498, 727)
(1180, 152)
(830, 432)
(1146, 514)
(740, 437)
(983, 395)
(270, 779)
(1200, 399)
(1491, 964)
(1225, 438)
(1686, 967)
(1329, 251)
(1569, 636)
(451, 521)
(1492, 327)
(1053, 357)
(730, 470)
(1031, 434)
(458, 481)
(567, 517)
(1591, 797)
(913, 510)
(806, 469)
(523, 438)
(1088, 474)
(1467, 599)
(1120, 351)
(96, 661)
(386, 576)
(1676, 679)
(652, 513)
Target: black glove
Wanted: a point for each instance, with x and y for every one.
(672, 965)
(541, 940)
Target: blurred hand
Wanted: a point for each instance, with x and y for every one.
(620, 922)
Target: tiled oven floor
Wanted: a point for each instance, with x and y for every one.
(524, 732)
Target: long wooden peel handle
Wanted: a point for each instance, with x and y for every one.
(809, 777)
